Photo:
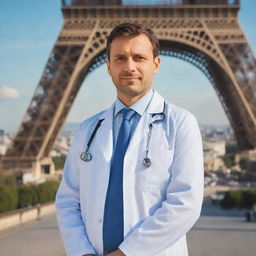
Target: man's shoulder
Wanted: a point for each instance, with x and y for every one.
(87, 125)
(173, 112)
(92, 119)
(177, 113)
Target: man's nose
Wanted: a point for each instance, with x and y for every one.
(130, 65)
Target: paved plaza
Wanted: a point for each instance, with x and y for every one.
(222, 233)
(217, 233)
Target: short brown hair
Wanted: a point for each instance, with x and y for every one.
(133, 29)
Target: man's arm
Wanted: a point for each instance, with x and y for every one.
(68, 210)
(182, 206)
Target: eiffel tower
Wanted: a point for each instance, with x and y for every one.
(205, 33)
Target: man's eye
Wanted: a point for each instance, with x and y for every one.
(139, 58)
(120, 58)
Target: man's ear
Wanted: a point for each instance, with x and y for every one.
(108, 66)
(157, 64)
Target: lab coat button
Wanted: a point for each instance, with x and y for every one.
(100, 220)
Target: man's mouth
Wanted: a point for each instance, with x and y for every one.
(130, 78)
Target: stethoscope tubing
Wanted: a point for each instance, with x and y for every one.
(86, 155)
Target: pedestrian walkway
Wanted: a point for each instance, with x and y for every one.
(35, 238)
(218, 232)
(222, 233)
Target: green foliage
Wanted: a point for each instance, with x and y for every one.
(243, 163)
(9, 180)
(228, 161)
(248, 199)
(1, 178)
(47, 191)
(232, 199)
(59, 162)
(246, 164)
(28, 195)
(12, 197)
(8, 198)
(239, 199)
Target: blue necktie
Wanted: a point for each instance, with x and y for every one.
(113, 226)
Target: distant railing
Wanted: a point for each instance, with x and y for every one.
(149, 2)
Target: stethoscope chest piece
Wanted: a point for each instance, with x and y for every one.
(146, 162)
(86, 156)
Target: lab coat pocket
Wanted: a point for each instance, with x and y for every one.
(152, 182)
(158, 173)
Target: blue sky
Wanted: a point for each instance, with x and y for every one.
(28, 30)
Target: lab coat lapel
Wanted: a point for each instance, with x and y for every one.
(132, 157)
(155, 106)
(139, 137)
(104, 136)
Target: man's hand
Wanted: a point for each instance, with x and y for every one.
(117, 252)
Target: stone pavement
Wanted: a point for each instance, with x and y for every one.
(35, 238)
(222, 233)
(217, 233)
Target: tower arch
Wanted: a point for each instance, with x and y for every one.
(205, 33)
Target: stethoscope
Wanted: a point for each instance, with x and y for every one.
(156, 118)
(86, 155)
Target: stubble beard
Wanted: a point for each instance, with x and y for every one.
(130, 89)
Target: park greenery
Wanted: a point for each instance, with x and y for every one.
(243, 199)
(14, 197)
(59, 161)
(228, 160)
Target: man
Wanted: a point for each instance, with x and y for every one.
(137, 188)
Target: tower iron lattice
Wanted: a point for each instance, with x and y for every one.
(203, 32)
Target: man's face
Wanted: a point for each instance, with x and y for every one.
(132, 66)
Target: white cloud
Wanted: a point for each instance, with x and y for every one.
(8, 93)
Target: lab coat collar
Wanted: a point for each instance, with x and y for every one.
(107, 113)
(156, 105)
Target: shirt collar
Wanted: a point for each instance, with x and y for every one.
(139, 106)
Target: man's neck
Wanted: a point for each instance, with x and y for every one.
(129, 101)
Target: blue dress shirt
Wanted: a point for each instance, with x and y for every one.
(139, 107)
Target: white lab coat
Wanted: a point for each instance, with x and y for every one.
(161, 202)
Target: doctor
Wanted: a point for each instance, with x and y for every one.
(133, 179)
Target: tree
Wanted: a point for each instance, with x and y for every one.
(59, 162)
(228, 161)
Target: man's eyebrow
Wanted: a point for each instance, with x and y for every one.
(145, 56)
(140, 54)
(134, 54)
(119, 54)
